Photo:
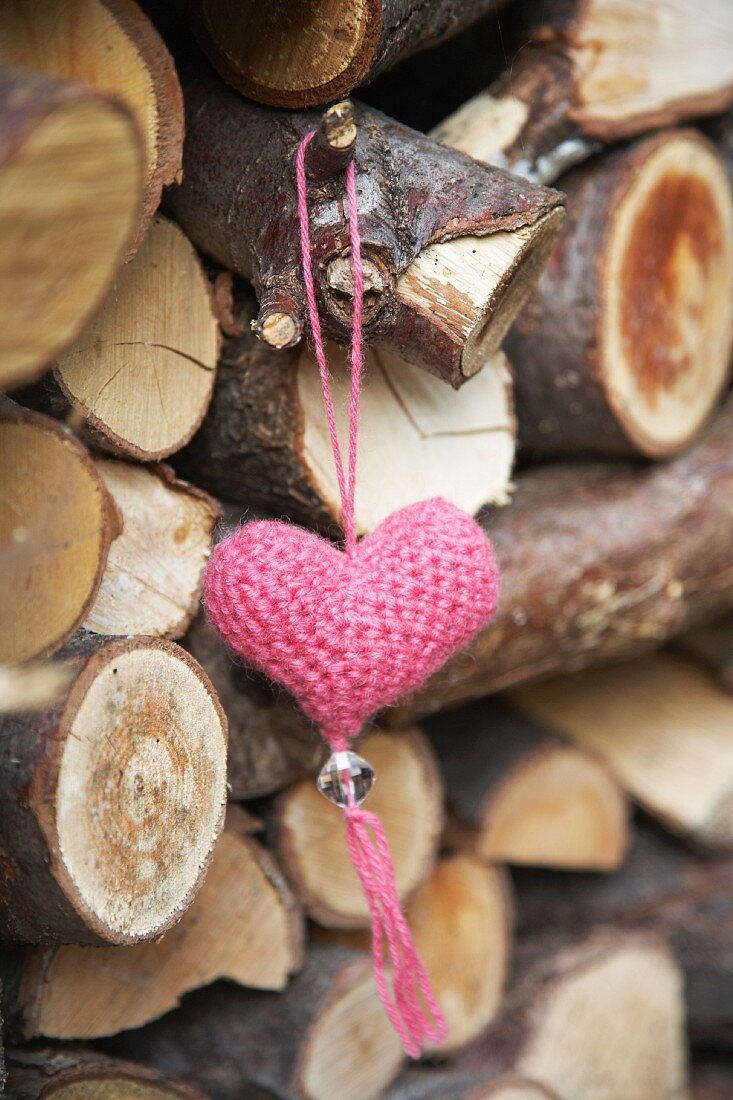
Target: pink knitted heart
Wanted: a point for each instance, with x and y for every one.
(350, 635)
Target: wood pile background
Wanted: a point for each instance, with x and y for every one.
(548, 244)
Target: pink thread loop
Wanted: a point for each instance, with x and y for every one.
(411, 1007)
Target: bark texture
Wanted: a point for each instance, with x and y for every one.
(35, 1074)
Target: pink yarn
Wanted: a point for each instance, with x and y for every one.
(349, 633)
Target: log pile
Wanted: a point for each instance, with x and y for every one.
(548, 319)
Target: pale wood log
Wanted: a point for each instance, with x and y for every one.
(57, 523)
(111, 46)
(68, 1074)
(113, 798)
(140, 377)
(662, 727)
(436, 1083)
(598, 563)
(33, 685)
(59, 145)
(517, 793)
(327, 1035)
(308, 830)
(265, 440)
(244, 924)
(154, 573)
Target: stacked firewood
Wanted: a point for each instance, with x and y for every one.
(549, 272)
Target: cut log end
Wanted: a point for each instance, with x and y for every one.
(39, 1074)
(279, 330)
(333, 146)
(287, 60)
(667, 285)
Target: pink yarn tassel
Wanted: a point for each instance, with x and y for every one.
(411, 1005)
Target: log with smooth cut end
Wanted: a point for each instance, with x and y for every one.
(69, 1074)
(443, 279)
(113, 798)
(326, 1035)
(297, 54)
(113, 47)
(435, 1083)
(265, 441)
(518, 794)
(57, 523)
(663, 729)
(141, 375)
(309, 833)
(625, 344)
(152, 581)
(70, 186)
(243, 924)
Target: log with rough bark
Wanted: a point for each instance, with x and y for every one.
(140, 377)
(265, 439)
(662, 727)
(598, 563)
(308, 830)
(111, 46)
(295, 55)
(59, 144)
(68, 1074)
(153, 577)
(327, 1035)
(112, 798)
(271, 742)
(450, 247)
(517, 793)
(244, 924)
(662, 886)
(603, 70)
(593, 1019)
(57, 523)
(625, 344)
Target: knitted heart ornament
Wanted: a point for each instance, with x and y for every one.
(350, 631)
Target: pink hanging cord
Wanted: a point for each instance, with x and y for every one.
(411, 1005)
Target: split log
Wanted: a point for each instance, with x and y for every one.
(662, 728)
(662, 887)
(599, 563)
(519, 794)
(76, 40)
(140, 377)
(711, 644)
(67, 1074)
(298, 55)
(265, 440)
(308, 830)
(57, 523)
(152, 582)
(450, 247)
(271, 742)
(243, 924)
(59, 144)
(327, 1035)
(112, 798)
(441, 1084)
(602, 71)
(594, 1019)
(625, 343)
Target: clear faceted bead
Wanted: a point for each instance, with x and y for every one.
(345, 779)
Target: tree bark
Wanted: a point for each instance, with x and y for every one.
(113, 798)
(59, 144)
(58, 524)
(70, 1074)
(517, 793)
(154, 573)
(450, 247)
(244, 925)
(139, 380)
(308, 1042)
(264, 441)
(308, 830)
(44, 37)
(599, 563)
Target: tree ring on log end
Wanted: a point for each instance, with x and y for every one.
(290, 55)
(140, 788)
(667, 289)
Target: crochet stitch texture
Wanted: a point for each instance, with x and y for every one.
(349, 635)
